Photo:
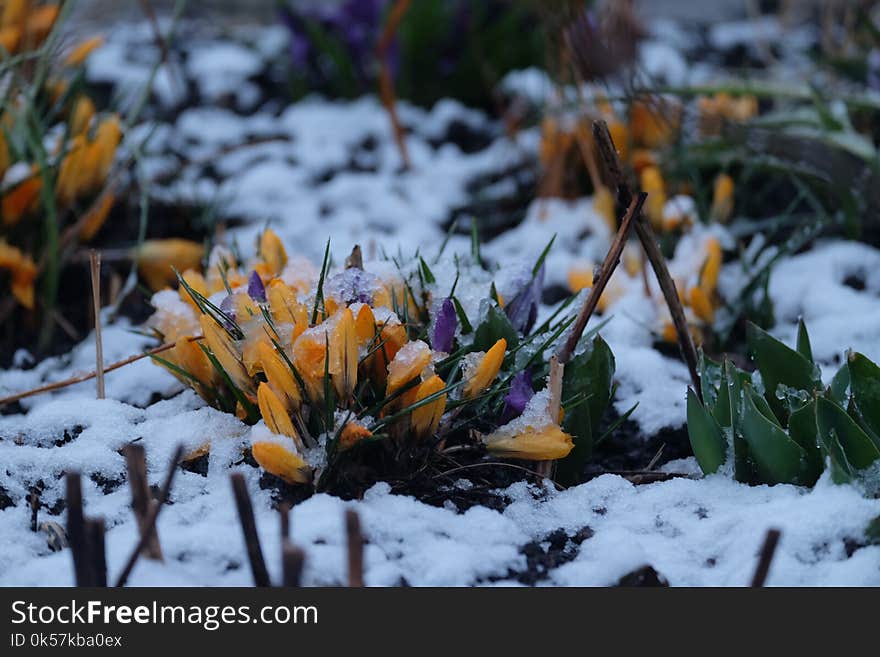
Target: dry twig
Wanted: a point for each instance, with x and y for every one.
(249, 528)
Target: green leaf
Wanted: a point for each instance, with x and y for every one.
(466, 327)
(777, 458)
(865, 383)
(803, 341)
(802, 429)
(543, 256)
(858, 448)
(840, 385)
(319, 295)
(707, 438)
(426, 272)
(779, 364)
(588, 375)
(710, 380)
(494, 326)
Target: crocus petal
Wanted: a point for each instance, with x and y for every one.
(545, 444)
(281, 461)
(445, 323)
(518, 397)
(344, 355)
(352, 433)
(523, 309)
(255, 289)
(486, 371)
(425, 419)
(272, 251)
(408, 363)
(226, 353)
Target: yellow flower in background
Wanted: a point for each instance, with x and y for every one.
(272, 251)
(196, 281)
(157, 260)
(722, 198)
(81, 52)
(344, 355)
(711, 267)
(73, 173)
(544, 444)
(701, 305)
(281, 460)
(21, 199)
(425, 419)
(407, 364)
(94, 219)
(23, 271)
(365, 326)
(620, 135)
(486, 370)
(604, 206)
(83, 113)
(652, 184)
(654, 125)
(101, 152)
(226, 353)
(580, 277)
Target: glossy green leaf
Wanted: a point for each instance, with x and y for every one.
(865, 383)
(707, 438)
(495, 325)
(588, 375)
(779, 364)
(840, 384)
(803, 341)
(858, 448)
(777, 458)
(802, 429)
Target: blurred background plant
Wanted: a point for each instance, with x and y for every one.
(443, 48)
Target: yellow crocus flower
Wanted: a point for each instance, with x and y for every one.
(226, 353)
(157, 260)
(653, 185)
(344, 355)
(281, 460)
(280, 377)
(425, 419)
(79, 54)
(486, 371)
(408, 363)
(722, 198)
(544, 444)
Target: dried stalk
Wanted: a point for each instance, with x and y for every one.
(95, 530)
(136, 462)
(292, 559)
(76, 531)
(766, 557)
(49, 387)
(249, 527)
(150, 525)
(608, 152)
(355, 549)
(608, 266)
(95, 270)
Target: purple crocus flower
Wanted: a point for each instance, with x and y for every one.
(228, 309)
(518, 397)
(256, 289)
(522, 311)
(445, 323)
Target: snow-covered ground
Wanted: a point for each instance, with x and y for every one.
(320, 169)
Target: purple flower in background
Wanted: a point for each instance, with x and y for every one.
(518, 397)
(522, 311)
(256, 289)
(445, 323)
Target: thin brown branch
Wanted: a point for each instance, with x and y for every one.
(141, 502)
(56, 385)
(249, 528)
(612, 259)
(95, 271)
(498, 464)
(609, 155)
(386, 84)
(766, 557)
(355, 548)
(150, 525)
